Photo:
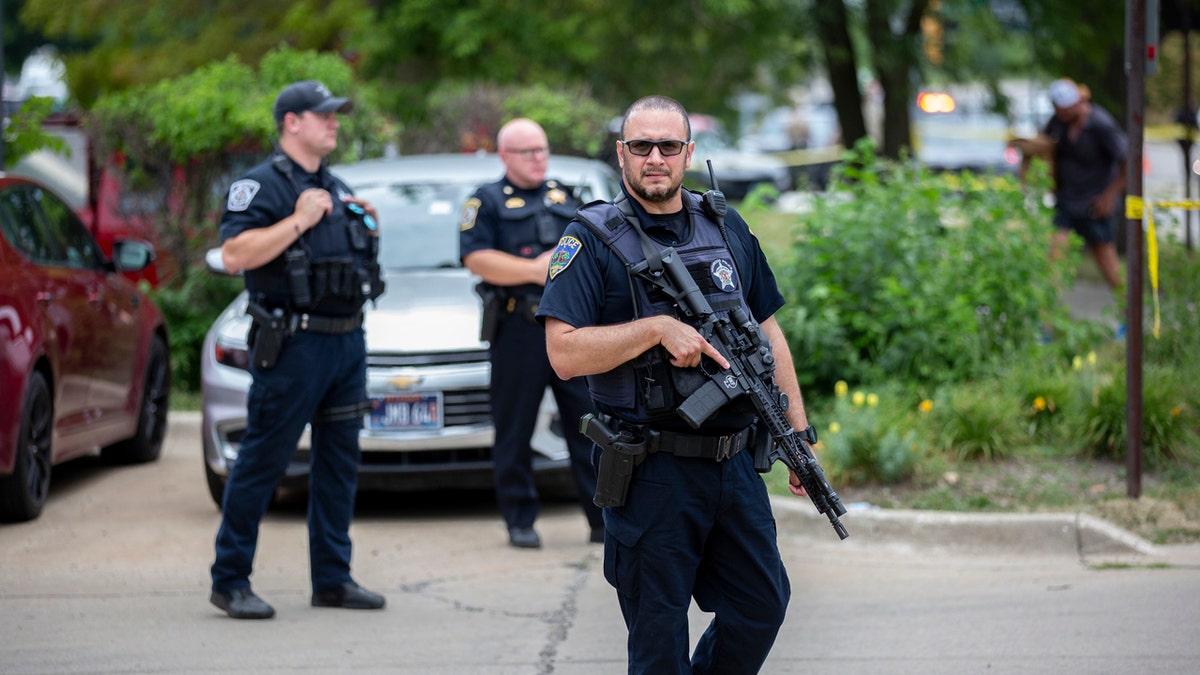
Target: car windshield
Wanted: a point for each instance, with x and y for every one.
(418, 221)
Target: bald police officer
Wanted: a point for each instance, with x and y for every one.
(508, 230)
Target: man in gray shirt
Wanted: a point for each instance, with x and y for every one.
(1090, 152)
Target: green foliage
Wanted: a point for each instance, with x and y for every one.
(902, 274)
(465, 116)
(1169, 419)
(865, 441)
(185, 136)
(23, 134)
(110, 46)
(416, 45)
(570, 116)
(1179, 309)
(977, 422)
(189, 311)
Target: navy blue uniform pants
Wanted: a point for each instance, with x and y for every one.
(520, 373)
(696, 528)
(315, 372)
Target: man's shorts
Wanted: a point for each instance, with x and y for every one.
(1095, 231)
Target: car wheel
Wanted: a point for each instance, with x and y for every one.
(23, 493)
(146, 443)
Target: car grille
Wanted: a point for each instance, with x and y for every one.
(376, 360)
(466, 406)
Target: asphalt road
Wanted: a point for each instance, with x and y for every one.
(114, 579)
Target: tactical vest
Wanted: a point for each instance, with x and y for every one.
(331, 270)
(649, 388)
(528, 228)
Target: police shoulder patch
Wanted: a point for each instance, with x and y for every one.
(470, 211)
(563, 255)
(241, 193)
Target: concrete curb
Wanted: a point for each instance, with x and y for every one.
(1073, 534)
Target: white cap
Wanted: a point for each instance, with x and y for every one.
(1064, 93)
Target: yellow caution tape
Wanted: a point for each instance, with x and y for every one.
(1134, 208)
(1167, 204)
(1152, 263)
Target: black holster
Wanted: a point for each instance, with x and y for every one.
(267, 335)
(620, 454)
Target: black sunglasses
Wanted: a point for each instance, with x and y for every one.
(643, 148)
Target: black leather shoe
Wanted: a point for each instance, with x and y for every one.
(524, 537)
(597, 535)
(242, 603)
(348, 596)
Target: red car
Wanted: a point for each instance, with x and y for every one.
(84, 365)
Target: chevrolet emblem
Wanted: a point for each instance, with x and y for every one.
(406, 381)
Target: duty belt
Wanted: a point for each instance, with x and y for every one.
(701, 446)
(332, 325)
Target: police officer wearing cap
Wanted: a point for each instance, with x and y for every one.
(693, 521)
(508, 229)
(307, 248)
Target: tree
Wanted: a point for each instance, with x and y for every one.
(111, 46)
(619, 50)
(184, 136)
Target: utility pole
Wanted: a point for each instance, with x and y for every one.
(1135, 69)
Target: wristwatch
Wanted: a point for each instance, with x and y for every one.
(808, 434)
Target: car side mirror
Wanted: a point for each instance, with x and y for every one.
(132, 255)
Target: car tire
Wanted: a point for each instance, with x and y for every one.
(146, 443)
(23, 493)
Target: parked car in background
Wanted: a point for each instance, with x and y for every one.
(738, 171)
(950, 136)
(84, 365)
(427, 370)
(807, 138)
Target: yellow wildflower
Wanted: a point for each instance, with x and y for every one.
(872, 400)
(858, 398)
(1039, 404)
(1077, 363)
(1091, 358)
(834, 427)
(925, 406)
(1177, 411)
(840, 388)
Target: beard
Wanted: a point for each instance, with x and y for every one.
(656, 195)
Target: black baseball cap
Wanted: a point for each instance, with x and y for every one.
(309, 95)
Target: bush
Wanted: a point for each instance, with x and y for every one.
(864, 442)
(978, 422)
(189, 310)
(465, 117)
(1168, 416)
(902, 274)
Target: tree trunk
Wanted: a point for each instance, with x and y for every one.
(834, 35)
(895, 66)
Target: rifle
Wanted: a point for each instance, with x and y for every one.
(751, 373)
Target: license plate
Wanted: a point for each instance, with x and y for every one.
(406, 412)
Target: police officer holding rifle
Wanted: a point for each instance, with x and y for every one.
(695, 521)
